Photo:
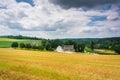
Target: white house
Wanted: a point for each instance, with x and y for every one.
(59, 49)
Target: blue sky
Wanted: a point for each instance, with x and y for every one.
(27, 1)
(55, 19)
(95, 19)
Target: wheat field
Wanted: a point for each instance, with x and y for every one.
(36, 65)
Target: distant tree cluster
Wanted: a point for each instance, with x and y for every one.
(26, 46)
(20, 37)
(109, 43)
(51, 45)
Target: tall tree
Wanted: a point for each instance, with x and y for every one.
(92, 45)
(117, 49)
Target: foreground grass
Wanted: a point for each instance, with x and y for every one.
(36, 65)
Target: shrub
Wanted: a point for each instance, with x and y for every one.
(35, 47)
(22, 45)
(28, 46)
(88, 49)
(41, 47)
(14, 45)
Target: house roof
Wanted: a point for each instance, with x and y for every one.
(68, 47)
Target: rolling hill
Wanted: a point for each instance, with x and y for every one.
(6, 42)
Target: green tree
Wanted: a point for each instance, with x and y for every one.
(117, 49)
(34, 47)
(22, 45)
(69, 42)
(44, 41)
(40, 47)
(28, 46)
(14, 45)
(55, 43)
(92, 45)
(80, 47)
(48, 46)
(87, 49)
(76, 47)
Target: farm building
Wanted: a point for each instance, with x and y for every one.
(69, 48)
(59, 49)
(34, 43)
(65, 48)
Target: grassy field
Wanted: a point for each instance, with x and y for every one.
(36, 65)
(6, 42)
(105, 52)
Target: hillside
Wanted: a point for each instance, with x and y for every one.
(6, 42)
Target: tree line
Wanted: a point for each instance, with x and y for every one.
(79, 45)
(50, 45)
(21, 37)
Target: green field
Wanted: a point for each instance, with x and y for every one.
(37, 65)
(6, 42)
(105, 52)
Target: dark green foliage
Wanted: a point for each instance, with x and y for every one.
(69, 42)
(22, 45)
(48, 46)
(35, 47)
(44, 41)
(79, 47)
(82, 47)
(107, 43)
(55, 43)
(117, 49)
(14, 45)
(28, 46)
(92, 45)
(41, 47)
(76, 47)
(20, 37)
(99, 43)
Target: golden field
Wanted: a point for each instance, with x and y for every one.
(36, 65)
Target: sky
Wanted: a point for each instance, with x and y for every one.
(60, 18)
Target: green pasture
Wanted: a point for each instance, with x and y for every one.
(6, 42)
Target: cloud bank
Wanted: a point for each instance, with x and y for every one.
(82, 3)
(47, 20)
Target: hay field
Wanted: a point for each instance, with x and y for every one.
(36, 65)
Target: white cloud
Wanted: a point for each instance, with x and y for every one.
(49, 21)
